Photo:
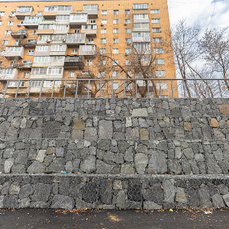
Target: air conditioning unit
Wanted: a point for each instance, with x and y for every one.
(101, 24)
(128, 43)
(126, 54)
(125, 24)
(48, 41)
(18, 25)
(10, 16)
(64, 40)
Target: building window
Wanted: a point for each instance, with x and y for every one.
(5, 42)
(35, 32)
(89, 62)
(155, 11)
(115, 40)
(127, 51)
(115, 62)
(115, 86)
(30, 52)
(103, 31)
(128, 41)
(26, 75)
(103, 40)
(8, 32)
(102, 51)
(74, 51)
(156, 30)
(158, 50)
(127, 12)
(13, 13)
(115, 21)
(115, 51)
(0, 22)
(104, 21)
(39, 13)
(155, 20)
(17, 42)
(90, 41)
(115, 30)
(159, 61)
(162, 86)
(160, 73)
(92, 21)
(71, 74)
(127, 21)
(157, 40)
(140, 6)
(128, 30)
(115, 12)
(114, 73)
(10, 22)
(102, 62)
(101, 74)
(2, 52)
(104, 12)
(2, 13)
(127, 62)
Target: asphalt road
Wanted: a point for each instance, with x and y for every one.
(101, 219)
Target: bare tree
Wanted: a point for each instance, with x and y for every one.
(215, 49)
(139, 63)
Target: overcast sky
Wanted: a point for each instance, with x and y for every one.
(206, 13)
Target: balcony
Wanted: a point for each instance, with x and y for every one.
(8, 73)
(30, 44)
(141, 27)
(78, 19)
(75, 39)
(14, 52)
(49, 15)
(91, 10)
(32, 22)
(87, 50)
(58, 50)
(23, 66)
(76, 62)
(89, 30)
(20, 34)
(61, 29)
(45, 31)
(23, 11)
(141, 20)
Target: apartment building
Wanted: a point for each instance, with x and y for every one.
(68, 39)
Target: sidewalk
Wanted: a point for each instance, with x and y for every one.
(101, 219)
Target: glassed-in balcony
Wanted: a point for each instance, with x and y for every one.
(76, 62)
(50, 12)
(32, 22)
(45, 29)
(141, 37)
(78, 19)
(14, 52)
(87, 50)
(91, 10)
(8, 73)
(139, 27)
(23, 11)
(89, 30)
(76, 39)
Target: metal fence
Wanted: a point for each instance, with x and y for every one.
(109, 88)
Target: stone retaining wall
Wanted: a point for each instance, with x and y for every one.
(114, 157)
(110, 192)
(111, 149)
